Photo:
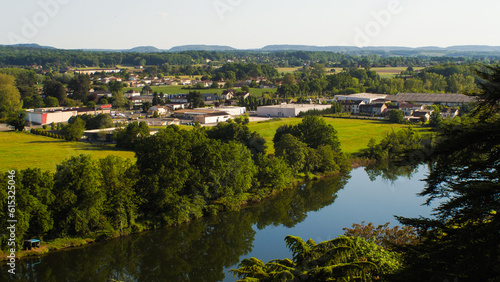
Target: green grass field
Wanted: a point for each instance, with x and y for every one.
(353, 134)
(22, 150)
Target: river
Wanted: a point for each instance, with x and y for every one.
(205, 249)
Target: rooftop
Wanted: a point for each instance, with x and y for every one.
(433, 97)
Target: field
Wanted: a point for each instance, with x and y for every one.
(23, 150)
(353, 134)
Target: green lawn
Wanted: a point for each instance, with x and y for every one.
(23, 150)
(353, 134)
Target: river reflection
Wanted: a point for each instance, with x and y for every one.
(201, 250)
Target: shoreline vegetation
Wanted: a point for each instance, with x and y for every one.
(230, 137)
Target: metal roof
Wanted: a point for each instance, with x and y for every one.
(432, 97)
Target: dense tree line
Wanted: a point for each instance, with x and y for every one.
(179, 175)
(448, 78)
(21, 56)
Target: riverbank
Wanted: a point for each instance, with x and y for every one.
(51, 246)
(254, 198)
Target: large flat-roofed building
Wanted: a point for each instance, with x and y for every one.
(432, 98)
(365, 97)
(288, 110)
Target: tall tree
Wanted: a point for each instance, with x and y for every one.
(195, 99)
(10, 98)
(463, 240)
(80, 85)
(54, 88)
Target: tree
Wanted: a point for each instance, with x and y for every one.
(74, 131)
(292, 151)
(33, 102)
(80, 86)
(146, 90)
(51, 101)
(119, 100)
(462, 241)
(115, 86)
(17, 120)
(340, 259)
(100, 121)
(195, 99)
(396, 116)
(10, 98)
(80, 199)
(54, 88)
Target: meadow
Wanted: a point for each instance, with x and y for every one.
(353, 134)
(22, 150)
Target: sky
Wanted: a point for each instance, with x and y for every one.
(249, 24)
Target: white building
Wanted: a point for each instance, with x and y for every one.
(288, 110)
(365, 97)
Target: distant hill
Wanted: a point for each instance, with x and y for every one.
(144, 49)
(453, 51)
(30, 45)
(201, 48)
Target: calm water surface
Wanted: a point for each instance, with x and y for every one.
(205, 249)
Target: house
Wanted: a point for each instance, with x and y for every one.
(449, 113)
(103, 93)
(178, 98)
(351, 106)
(243, 95)
(186, 81)
(210, 97)
(161, 110)
(373, 109)
(408, 109)
(419, 115)
(228, 94)
(131, 93)
(138, 100)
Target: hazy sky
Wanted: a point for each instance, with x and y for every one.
(245, 24)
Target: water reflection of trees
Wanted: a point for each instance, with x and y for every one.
(197, 251)
(390, 171)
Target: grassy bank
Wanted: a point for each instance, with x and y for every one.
(353, 134)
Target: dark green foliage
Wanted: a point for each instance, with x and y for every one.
(462, 241)
(80, 201)
(396, 116)
(181, 171)
(74, 131)
(399, 145)
(233, 131)
(80, 86)
(128, 137)
(17, 120)
(309, 146)
(340, 259)
(195, 99)
(54, 88)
